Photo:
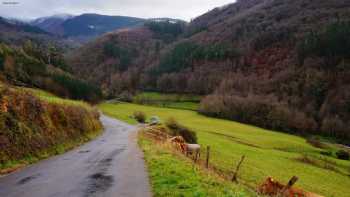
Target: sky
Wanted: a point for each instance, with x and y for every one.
(180, 9)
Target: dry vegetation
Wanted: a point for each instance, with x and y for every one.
(32, 128)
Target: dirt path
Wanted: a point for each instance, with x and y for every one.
(110, 166)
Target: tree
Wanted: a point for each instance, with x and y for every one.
(123, 54)
(333, 44)
(167, 30)
(79, 89)
(2, 60)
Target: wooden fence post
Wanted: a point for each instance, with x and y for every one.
(208, 155)
(291, 182)
(234, 177)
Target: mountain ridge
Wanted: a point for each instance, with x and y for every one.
(86, 26)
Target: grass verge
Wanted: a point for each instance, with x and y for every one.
(174, 175)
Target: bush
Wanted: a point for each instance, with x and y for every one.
(336, 128)
(342, 154)
(140, 116)
(326, 153)
(314, 141)
(177, 129)
(261, 111)
(125, 96)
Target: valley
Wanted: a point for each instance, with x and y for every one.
(97, 103)
(273, 65)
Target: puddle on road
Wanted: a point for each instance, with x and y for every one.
(98, 183)
(84, 151)
(27, 179)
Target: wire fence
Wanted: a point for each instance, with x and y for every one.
(234, 166)
(230, 166)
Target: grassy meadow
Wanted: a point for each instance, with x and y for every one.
(268, 153)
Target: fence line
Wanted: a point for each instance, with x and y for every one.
(231, 169)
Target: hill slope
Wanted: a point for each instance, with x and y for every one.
(115, 61)
(52, 24)
(35, 124)
(86, 26)
(29, 65)
(277, 64)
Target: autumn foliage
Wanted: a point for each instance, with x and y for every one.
(29, 126)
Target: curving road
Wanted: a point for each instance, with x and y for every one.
(110, 166)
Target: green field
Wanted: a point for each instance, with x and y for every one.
(268, 153)
(173, 175)
(176, 101)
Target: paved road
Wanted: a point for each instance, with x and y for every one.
(110, 166)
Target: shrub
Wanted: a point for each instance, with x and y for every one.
(177, 129)
(314, 141)
(308, 160)
(326, 153)
(335, 127)
(125, 96)
(342, 154)
(140, 116)
(262, 111)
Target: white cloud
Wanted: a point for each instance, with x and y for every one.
(182, 9)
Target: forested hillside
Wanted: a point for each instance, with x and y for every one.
(32, 57)
(277, 64)
(117, 60)
(33, 65)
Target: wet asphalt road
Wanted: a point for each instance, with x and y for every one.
(110, 166)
